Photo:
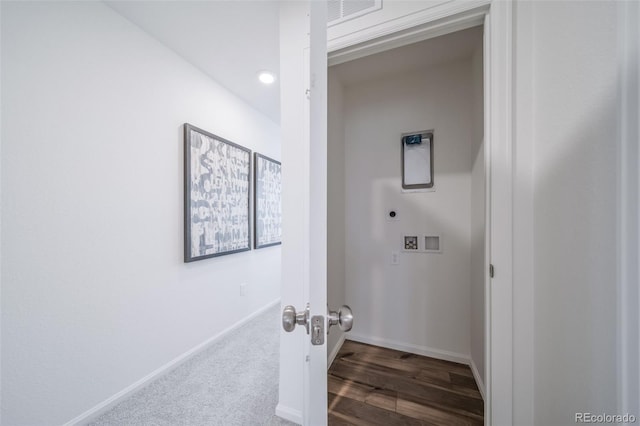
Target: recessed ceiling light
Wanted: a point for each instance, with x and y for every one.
(266, 77)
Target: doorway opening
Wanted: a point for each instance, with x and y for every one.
(426, 303)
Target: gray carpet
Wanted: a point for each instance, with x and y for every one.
(233, 382)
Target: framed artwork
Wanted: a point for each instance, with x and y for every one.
(267, 202)
(216, 195)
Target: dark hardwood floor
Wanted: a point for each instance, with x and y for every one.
(370, 385)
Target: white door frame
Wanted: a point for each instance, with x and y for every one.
(628, 220)
(433, 21)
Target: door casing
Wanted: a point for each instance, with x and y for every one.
(436, 20)
(498, 78)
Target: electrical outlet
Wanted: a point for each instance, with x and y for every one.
(243, 289)
(395, 257)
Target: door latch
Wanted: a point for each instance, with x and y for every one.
(317, 330)
(316, 326)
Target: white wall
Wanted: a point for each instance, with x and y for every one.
(95, 294)
(478, 263)
(335, 206)
(423, 303)
(574, 148)
(523, 232)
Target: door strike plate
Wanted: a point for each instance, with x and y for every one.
(317, 330)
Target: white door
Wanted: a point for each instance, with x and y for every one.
(304, 252)
(315, 370)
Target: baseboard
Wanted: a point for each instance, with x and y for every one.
(415, 349)
(289, 413)
(336, 349)
(109, 403)
(476, 375)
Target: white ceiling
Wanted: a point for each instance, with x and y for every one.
(230, 41)
(413, 57)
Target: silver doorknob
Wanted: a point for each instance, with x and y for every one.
(290, 318)
(344, 318)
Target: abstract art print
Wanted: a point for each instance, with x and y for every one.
(217, 186)
(267, 203)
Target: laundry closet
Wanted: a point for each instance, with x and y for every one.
(409, 257)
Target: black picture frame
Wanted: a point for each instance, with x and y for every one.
(267, 201)
(217, 193)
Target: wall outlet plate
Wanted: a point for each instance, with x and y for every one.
(395, 257)
(431, 243)
(392, 215)
(411, 243)
(421, 243)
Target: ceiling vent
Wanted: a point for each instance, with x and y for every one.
(343, 10)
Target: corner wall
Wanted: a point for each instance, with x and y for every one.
(95, 294)
(423, 303)
(478, 216)
(335, 208)
(574, 217)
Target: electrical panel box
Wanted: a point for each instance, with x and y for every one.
(417, 159)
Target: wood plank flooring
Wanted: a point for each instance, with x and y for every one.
(370, 385)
